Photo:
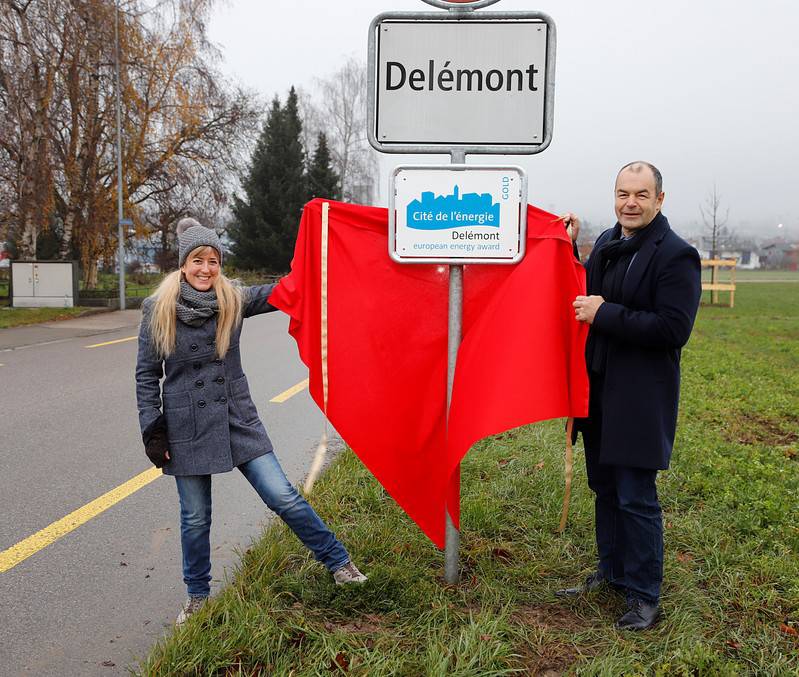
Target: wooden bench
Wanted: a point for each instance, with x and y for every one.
(715, 286)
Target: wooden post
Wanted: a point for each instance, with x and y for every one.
(715, 285)
(714, 293)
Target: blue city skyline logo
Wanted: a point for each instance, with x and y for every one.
(442, 212)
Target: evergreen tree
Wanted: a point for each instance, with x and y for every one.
(267, 218)
(322, 179)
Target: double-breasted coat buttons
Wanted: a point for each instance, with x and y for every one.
(204, 398)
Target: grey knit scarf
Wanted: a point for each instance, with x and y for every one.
(195, 307)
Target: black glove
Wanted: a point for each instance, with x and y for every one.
(156, 449)
(156, 443)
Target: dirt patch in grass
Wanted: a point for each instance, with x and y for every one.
(551, 660)
(368, 625)
(756, 429)
(549, 617)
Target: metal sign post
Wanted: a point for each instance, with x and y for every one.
(460, 82)
(456, 214)
(452, 537)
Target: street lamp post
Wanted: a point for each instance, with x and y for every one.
(120, 219)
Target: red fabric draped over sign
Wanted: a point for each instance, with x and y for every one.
(521, 359)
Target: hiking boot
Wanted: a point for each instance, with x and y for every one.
(190, 607)
(348, 574)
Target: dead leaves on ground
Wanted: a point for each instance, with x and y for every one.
(789, 630)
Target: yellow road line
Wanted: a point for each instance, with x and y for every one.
(108, 343)
(291, 392)
(41, 539)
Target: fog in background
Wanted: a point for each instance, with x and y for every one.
(704, 90)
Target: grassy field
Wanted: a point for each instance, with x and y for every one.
(755, 275)
(16, 317)
(731, 593)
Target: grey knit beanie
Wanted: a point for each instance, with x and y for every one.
(192, 235)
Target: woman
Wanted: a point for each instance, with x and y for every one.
(190, 335)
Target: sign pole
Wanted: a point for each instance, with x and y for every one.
(467, 69)
(454, 331)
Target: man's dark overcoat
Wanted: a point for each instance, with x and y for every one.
(645, 332)
(212, 423)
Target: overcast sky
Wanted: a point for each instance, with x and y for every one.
(703, 90)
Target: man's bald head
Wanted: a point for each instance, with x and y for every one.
(641, 166)
(639, 196)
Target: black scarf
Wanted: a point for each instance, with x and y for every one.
(607, 268)
(195, 307)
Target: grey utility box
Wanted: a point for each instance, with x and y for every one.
(44, 284)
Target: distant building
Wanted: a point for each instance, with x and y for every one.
(780, 255)
(745, 252)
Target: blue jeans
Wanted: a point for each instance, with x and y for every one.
(267, 478)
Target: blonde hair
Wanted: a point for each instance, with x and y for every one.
(163, 320)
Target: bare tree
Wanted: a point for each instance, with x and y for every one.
(715, 226)
(30, 57)
(311, 117)
(183, 127)
(342, 117)
(713, 220)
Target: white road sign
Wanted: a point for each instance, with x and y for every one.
(479, 82)
(457, 214)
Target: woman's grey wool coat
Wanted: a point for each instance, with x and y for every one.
(212, 423)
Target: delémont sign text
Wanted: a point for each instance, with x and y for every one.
(462, 83)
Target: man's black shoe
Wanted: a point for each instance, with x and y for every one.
(640, 615)
(594, 581)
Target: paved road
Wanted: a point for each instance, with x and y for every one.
(98, 598)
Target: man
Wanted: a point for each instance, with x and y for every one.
(643, 293)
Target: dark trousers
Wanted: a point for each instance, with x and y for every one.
(629, 522)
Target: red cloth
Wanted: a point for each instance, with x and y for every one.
(521, 359)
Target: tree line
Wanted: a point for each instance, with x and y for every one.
(186, 135)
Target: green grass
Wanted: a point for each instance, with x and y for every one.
(16, 317)
(753, 275)
(731, 591)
